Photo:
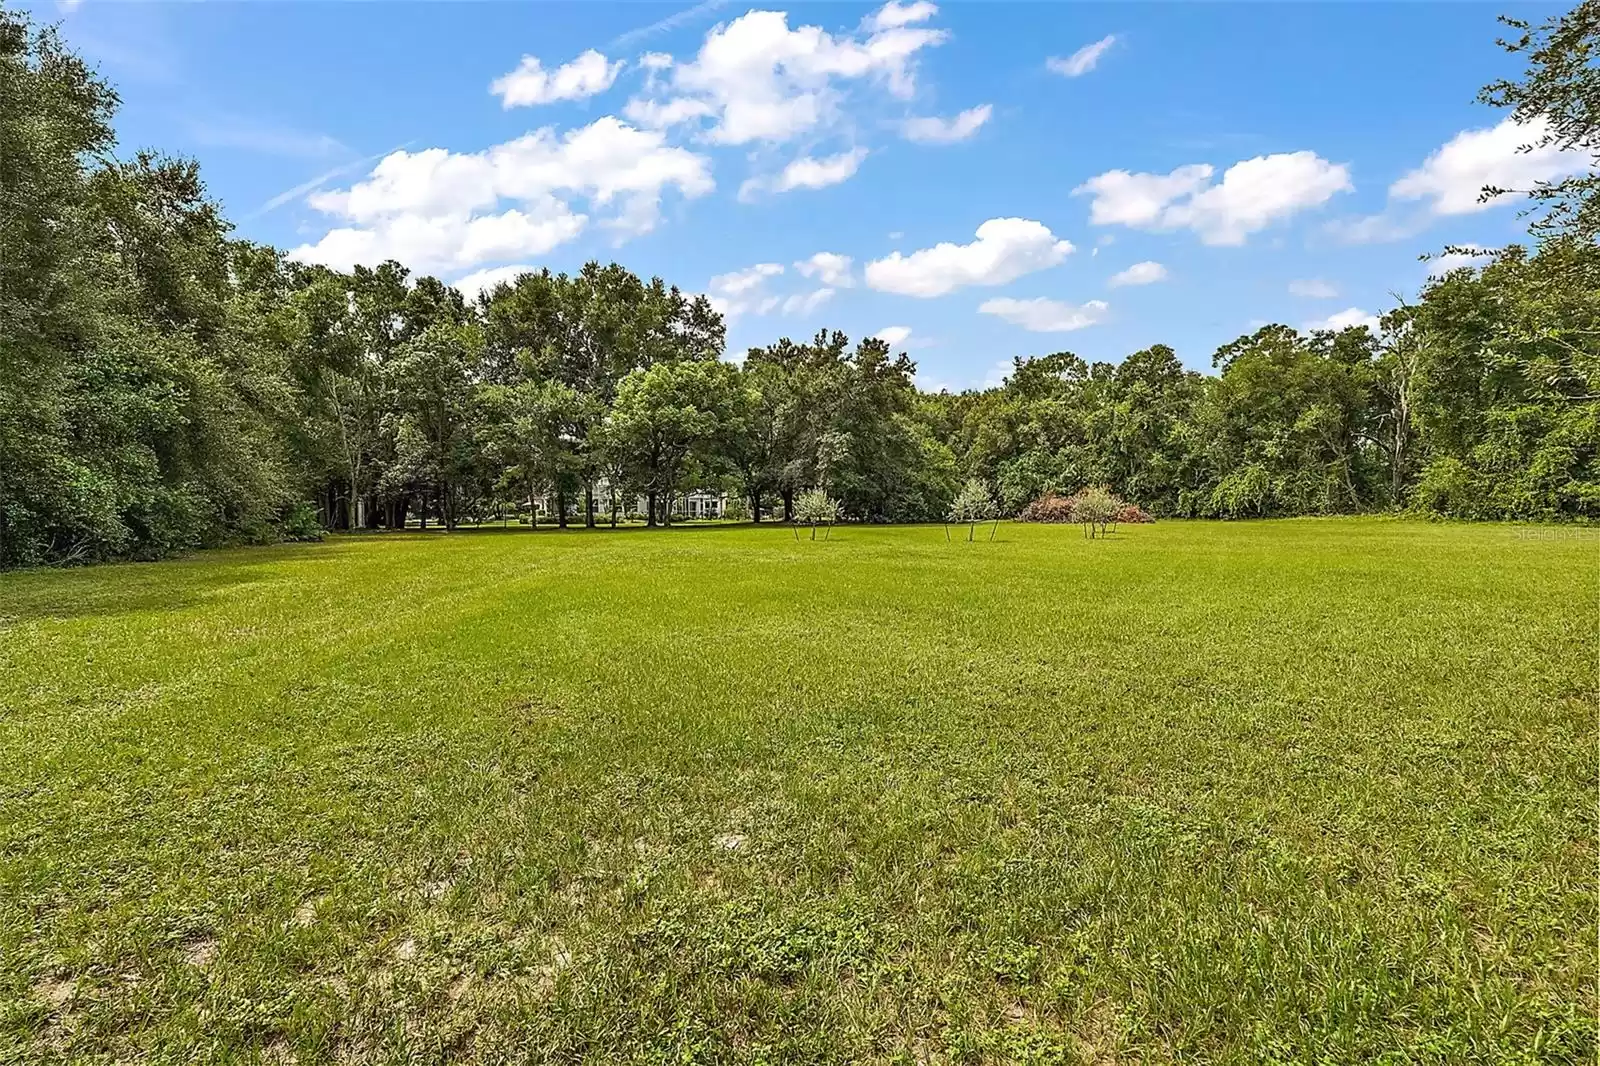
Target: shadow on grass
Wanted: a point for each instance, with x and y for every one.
(172, 584)
(574, 529)
(132, 587)
(109, 589)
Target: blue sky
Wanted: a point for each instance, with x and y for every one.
(971, 177)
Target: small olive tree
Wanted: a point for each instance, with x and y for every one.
(1095, 509)
(973, 505)
(815, 508)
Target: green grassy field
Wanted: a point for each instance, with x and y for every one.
(1300, 791)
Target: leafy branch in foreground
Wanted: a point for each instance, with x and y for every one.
(1559, 98)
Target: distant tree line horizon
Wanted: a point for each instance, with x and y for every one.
(165, 386)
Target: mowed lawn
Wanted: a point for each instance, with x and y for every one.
(1298, 791)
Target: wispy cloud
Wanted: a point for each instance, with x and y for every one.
(320, 180)
(1390, 224)
(252, 135)
(671, 22)
(1313, 289)
(150, 59)
(1083, 60)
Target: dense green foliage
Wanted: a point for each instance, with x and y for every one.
(166, 386)
(1312, 791)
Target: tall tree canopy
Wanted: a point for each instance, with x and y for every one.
(164, 385)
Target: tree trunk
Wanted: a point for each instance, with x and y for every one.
(1397, 456)
(533, 507)
(588, 505)
(561, 508)
(788, 505)
(448, 505)
(650, 508)
(755, 505)
(666, 510)
(356, 514)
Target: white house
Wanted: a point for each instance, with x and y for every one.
(694, 503)
(700, 503)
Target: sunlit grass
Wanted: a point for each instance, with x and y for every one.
(1304, 791)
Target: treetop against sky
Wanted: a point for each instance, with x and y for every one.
(969, 182)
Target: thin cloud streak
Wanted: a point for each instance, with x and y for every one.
(317, 182)
(249, 136)
(671, 22)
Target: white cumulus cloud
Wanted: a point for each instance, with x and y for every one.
(893, 15)
(756, 80)
(1145, 273)
(1042, 315)
(1252, 195)
(902, 339)
(744, 291)
(481, 281)
(934, 130)
(1138, 200)
(807, 173)
(802, 303)
(1083, 60)
(1350, 316)
(659, 115)
(1452, 179)
(446, 241)
(442, 210)
(1005, 249)
(530, 83)
(829, 268)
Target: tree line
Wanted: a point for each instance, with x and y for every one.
(165, 385)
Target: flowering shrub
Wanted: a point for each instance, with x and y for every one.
(1048, 508)
(1095, 508)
